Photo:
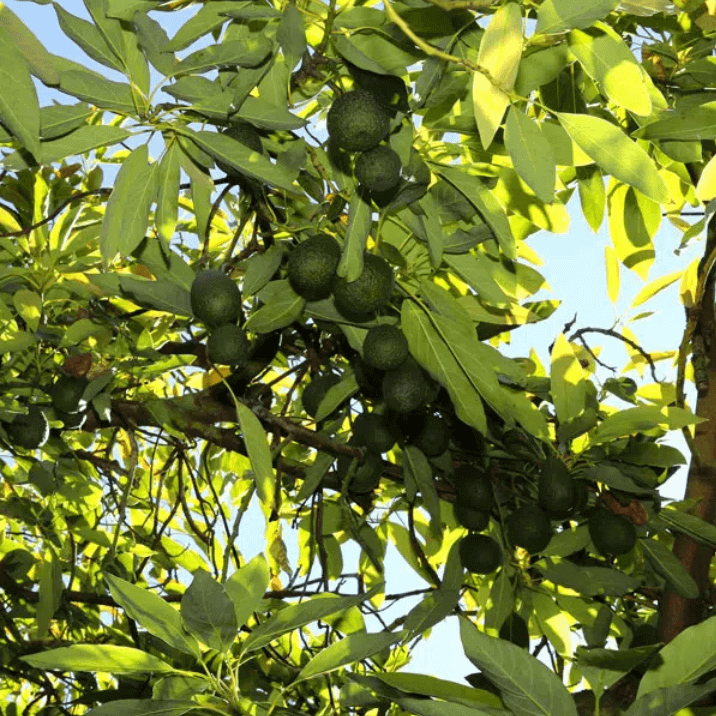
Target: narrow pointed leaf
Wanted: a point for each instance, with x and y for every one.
(612, 265)
(249, 52)
(257, 446)
(557, 16)
(490, 104)
(359, 225)
(501, 46)
(656, 286)
(670, 700)
(165, 217)
(98, 657)
(246, 587)
(670, 567)
(568, 381)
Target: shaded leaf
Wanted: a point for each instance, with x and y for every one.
(556, 16)
(246, 587)
(257, 446)
(589, 581)
(281, 309)
(670, 567)
(422, 473)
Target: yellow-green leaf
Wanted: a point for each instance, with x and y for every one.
(98, 657)
(29, 305)
(490, 104)
(611, 262)
(706, 187)
(501, 46)
(168, 193)
(655, 287)
(568, 381)
(257, 446)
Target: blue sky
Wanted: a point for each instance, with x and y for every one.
(573, 267)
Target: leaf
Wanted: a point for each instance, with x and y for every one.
(589, 581)
(418, 466)
(428, 707)
(346, 49)
(348, 650)
(689, 655)
(337, 395)
(359, 224)
(282, 309)
(257, 446)
(656, 286)
(556, 16)
(670, 568)
(531, 154)
(611, 263)
(264, 115)
(208, 18)
(526, 685)
(92, 87)
(592, 195)
(427, 685)
(208, 612)
(501, 46)
(168, 266)
(691, 525)
(246, 587)
(165, 216)
(150, 611)
(477, 271)
(431, 610)
(607, 59)
(260, 268)
(81, 141)
(569, 382)
(291, 35)
(127, 215)
(490, 104)
(694, 123)
(59, 119)
(143, 707)
(706, 186)
(249, 52)
(670, 700)
(98, 657)
(629, 421)
(19, 106)
(50, 586)
(297, 615)
(88, 37)
(236, 155)
(28, 304)
(615, 153)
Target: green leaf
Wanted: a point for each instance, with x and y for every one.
(670, 568)
(19, 106)
(359, 225)
(592, 195)
(125, 222)
(429, 707)
(92, 87)
(167, 265)
(626, 422)
(246, 587)
(257, 446)
(589, 581)
(348, 650)
(476, 270)
(297, 615)
(569, 382)
(427, 685)
(615, 153)
(49, 591)
(346, 49)
(249, 52)
(690, 525)
(670, 700)
(607, 59)
(337, 395)
(655, 287)
(82, 140)
(98, 657)
(88, 37)
(421, 471)
(236, 155)
(150, 611)
(144, 707)
(282, 309)
(489, 104)
(689, 655)
(59, 119)
(541, 67)
(260, 268)
(208, 612)
(556, 16)
(264, 115)
(697, 123)
(431, 610)
(28, 304)
(291, 35)
(432, 353)
(165, 217)
(209, 17)
(501, 47)
(531, 154)
(526, 685)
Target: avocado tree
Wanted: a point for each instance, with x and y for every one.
(296, 292)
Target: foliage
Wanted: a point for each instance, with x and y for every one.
(204, 158)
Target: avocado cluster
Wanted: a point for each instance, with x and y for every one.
(357, 122)
(216, 302)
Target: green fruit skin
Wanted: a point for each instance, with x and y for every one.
(644, 635)
(469, 517)
(434, 438)
(358, 300)
(215, 298)
(29, 431)
(228, 345)
(378, 169)
(611, 534)
(249, 137)
(480, 554)
(370, 380)
(312, 267)
(405, 388)
(316, 390)
(473, 487)
(367, 474)
(356, 122)
(67, 393)
(556, 491)
(515, 630)
(529, 527)
(371, 431)
(385, 347)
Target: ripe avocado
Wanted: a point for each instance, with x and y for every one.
(357, 122)
(528, 527)
(556, 492)
(371, 291)
(316, 390)
(405, 388)
(215, 298)
(312, 267)
(378, 169)
(385, 347)
(611, 534)
(228, 345)
(480, 554)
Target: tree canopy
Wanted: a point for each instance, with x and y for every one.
(194, 250)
